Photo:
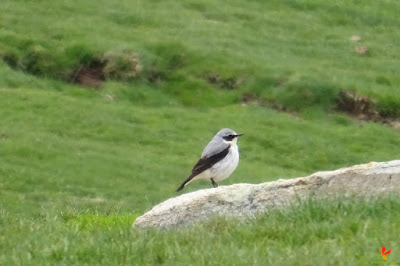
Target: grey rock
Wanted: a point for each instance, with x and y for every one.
(246, 200)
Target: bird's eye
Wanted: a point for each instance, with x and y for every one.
(229, 137)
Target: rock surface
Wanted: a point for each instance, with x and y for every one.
(239, 200)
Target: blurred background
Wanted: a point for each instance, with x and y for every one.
(113, 102)
(105, 106)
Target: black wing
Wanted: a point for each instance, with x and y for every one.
(203, 164)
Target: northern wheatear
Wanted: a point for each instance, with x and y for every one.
(218, 160)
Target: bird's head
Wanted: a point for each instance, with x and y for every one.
(228, 136)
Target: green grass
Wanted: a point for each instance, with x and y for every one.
(78, 165)
(77, 170)
(275, 49)
(57, 147)
(338, 232)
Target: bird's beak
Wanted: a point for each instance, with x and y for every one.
(238, 135)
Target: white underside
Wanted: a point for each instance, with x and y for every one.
(222, 169)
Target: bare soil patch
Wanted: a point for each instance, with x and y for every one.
(362, 108)
(223, 83)
(90, 75)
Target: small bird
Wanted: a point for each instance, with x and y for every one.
(218, 160)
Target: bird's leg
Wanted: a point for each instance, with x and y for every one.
(213, 183)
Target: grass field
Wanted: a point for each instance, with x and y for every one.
(322, 233)
(80, 161)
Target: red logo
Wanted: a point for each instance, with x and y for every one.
(383, 253)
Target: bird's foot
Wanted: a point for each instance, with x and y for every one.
(213, 183)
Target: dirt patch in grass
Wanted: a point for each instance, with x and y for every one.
(359, 106)
(361, 50)
(223, 83)
(362, 108)
(3, 136)
(90, 69)
(250, 98)
(155, 76)
(350, 102)
(110, 66)
(11, 60)
(90, 75)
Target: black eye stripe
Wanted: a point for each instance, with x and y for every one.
(229, 137)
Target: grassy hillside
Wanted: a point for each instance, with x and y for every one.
(105, 106)
(280, 51)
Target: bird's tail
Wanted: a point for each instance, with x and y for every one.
(187, 181)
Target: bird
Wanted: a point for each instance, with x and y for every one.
(219, 159)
